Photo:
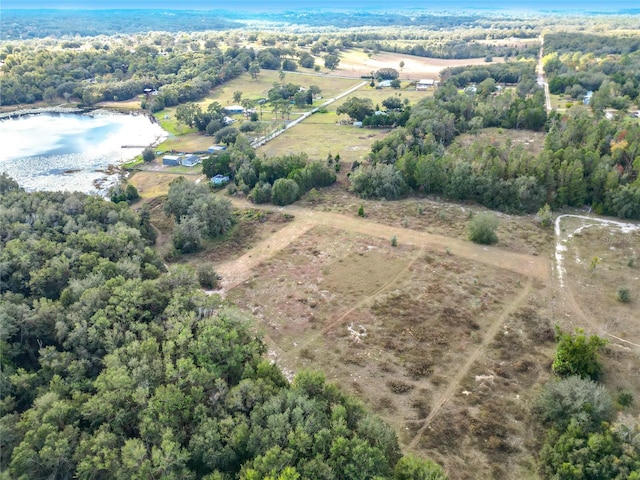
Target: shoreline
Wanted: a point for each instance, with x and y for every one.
(23, 112)
(39, 110)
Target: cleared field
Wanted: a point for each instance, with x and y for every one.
(356, 62)
(190, 142)
(599, 260)
(152, 184)
(533, 142)
(320, 138)
(378, 95)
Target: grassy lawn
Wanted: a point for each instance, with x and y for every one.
(318, 139)
(377, 96)
(191, 142)
(167, 120)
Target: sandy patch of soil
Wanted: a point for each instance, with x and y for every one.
(415, 68)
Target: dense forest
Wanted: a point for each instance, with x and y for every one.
(180, 68)
(608, 66)
(113, 367)
(586, 159)
(25, 24)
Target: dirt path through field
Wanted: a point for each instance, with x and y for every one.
(236, 271)
(565, 289)
(456, 380)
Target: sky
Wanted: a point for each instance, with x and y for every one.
(332, 4)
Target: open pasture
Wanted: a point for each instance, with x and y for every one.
(356, 62)
(319, 139)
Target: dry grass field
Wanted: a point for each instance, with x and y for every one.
(356, 62)
(405, 328)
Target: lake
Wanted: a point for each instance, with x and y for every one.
(72, 151)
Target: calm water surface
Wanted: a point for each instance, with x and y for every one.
(70, 151)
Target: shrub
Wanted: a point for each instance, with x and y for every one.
(413, 468)
(261, 193)
(625, 398)
(148, 155)
(284, 191)
(544, 216)
(577, 354)
(623, 295)
(361, 211)
(207, 277)
(574, 397)
(482, 229)
(394, 241)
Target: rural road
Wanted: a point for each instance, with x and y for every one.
(541, 80)
(561, 239)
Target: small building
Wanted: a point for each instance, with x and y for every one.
(587, 98)
(171, 160)
(219, 180)
(233, 109)
(357, 124)
(216, 148)
(384, 83)
(190, 160)
(425, 84)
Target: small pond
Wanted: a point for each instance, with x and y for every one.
(72, 151)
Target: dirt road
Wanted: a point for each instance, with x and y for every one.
(240, 269)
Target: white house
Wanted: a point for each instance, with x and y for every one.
(425, 84)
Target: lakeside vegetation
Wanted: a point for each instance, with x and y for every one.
(118, 361)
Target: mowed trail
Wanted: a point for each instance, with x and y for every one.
(454, 381)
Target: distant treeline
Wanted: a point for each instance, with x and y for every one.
(452, 49)
(606, 65)
(571, 42)
(585, 160)
(24, 24)
(181, 70)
